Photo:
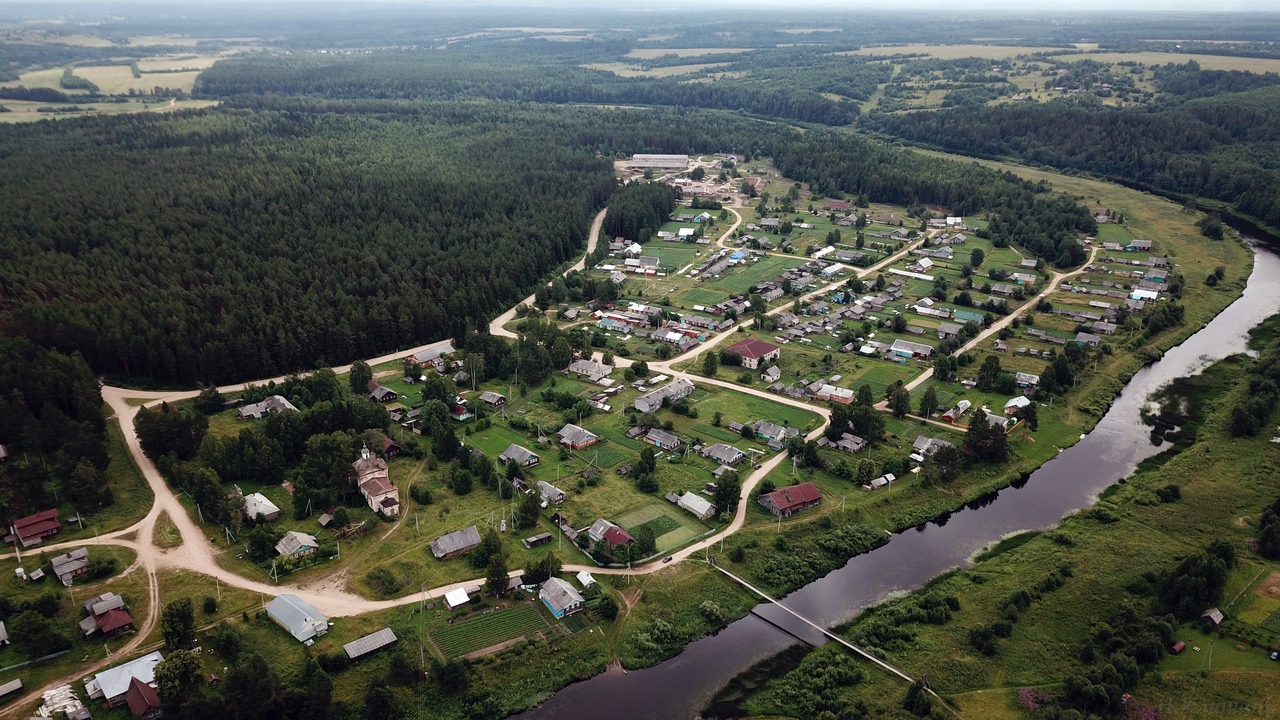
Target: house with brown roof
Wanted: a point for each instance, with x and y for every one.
(793, 498)
(33, 529)
(754, 352)
(142, 699)
(106, 614)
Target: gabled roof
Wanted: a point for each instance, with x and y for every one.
(1020, 401)
(257, 505)
(927, 445)
(914, 348)
(274, 403)
(559, 594)
(294, 613)
(104, 602)
(33, 526)
(463, 539)
(431, 353)
(518, 453)
(696, 504)
(369, 643)
(617, 536)
(550, 492)
(723, 454)
(142, 698)
(113, 620)
(115, 682)
(753, 349)
(661, 437)
(794, 496)
(575, 435)
(294, 541)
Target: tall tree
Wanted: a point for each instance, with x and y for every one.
(359, 377)
(178, 625)
(929, 402)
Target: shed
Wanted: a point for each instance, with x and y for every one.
(370, 643)
(585, 579)
(1210, 619)
(455, 543)
(456, 598)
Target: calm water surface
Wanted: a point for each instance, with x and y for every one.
(681, 686)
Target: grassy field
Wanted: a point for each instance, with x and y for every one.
(24, 111)
(1221, 480)
(487, 630)
(628, 70)
(650, 53)
(672, 526)
(952, 52)
(110, 79)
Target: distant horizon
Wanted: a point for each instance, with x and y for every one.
(1037, 8)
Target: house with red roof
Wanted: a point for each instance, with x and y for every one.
(793, 498)
(143, 700)
(33, 529)
(754, 352)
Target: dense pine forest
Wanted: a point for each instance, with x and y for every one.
(231, 245)
(281, 232)
(1216, 136)
(530, 72)
(53, 430)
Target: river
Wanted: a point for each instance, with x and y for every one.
(681, 686)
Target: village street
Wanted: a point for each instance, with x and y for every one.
(196, 553)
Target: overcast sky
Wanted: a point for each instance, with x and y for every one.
(1054, 7)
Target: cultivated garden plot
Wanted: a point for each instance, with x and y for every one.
(488, 628)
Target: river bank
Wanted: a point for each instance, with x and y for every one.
(911, 558)
(1118, 553)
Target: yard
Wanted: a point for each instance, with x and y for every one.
(672, 526)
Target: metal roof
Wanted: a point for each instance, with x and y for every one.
(369, 643)
(115, 682)
(559, 594)
(294, 613)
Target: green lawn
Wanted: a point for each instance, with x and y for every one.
(672, 526)
(488, 629)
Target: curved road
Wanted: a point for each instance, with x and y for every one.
(196, 552)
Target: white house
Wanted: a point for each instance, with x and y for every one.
(697, 505)
(111, 685)
(298, 617)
